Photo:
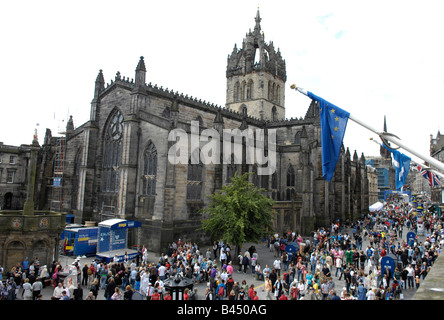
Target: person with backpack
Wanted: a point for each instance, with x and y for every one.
(293, 291)
(277, 288)
(95, 288)
(277, 249)
(220, 290)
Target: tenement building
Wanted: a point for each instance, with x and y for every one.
(25, 232)
(119, 163)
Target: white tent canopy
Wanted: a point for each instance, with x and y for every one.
(376, 207)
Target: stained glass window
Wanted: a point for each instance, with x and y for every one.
(112, 153)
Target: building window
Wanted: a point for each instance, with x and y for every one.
(255, 178)
(244, 90)
(265, 181)
(274, 114)
(274, 186)
(269, 91)
(274, 182)
(12, 159)
(10, 176)
(291, 177)
(277, 96)
(194, 180)
(297, 138)
(231, 169)
(149, 170)
(250, 89)
(236, 92)
(291, 182)
(1, 172)
(112, 153)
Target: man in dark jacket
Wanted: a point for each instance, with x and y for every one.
(347, 278)
(110, 289)
(85, 275)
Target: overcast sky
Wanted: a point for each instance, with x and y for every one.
(370, 58)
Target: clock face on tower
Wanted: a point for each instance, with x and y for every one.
(116, 127)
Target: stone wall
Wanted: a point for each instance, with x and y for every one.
(32, 236)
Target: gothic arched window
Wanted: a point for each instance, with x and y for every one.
(194, 180)
(273, 114)
(255, 178)
(291, 177)
(270, 92)
(231, 169)
(297, 137)
(273, 92)
(236, 92)
(291, 182)
(149, 170)
(277, 96)
(112, 153)
(265, 179)
(250, 89)
(274, 182)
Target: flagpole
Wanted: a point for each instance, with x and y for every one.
(426, 167)
(388, 137)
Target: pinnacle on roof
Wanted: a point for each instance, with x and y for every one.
(100, 77)
(141, 65)
(258, 21)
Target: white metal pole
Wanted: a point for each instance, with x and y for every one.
(432, 161)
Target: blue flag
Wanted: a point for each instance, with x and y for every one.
(402, 167)
(333, 123)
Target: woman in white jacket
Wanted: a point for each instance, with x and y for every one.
(27, 290)
(302, 287)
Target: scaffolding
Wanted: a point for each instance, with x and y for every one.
(107, 212)
(58, 174)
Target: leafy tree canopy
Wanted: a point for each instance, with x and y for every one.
(239, 213)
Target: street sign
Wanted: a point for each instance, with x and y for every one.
(291, 249)
(411, 236)
(388, 262)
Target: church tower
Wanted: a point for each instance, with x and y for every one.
(256, 76)
(386, 154)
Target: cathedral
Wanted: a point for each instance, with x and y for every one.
(116, 165)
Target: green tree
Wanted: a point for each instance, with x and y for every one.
(239, 213)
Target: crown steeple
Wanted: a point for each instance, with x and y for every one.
(256, 76)
(257, 27)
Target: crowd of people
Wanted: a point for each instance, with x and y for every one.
(309, 273)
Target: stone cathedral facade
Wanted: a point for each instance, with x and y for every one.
(116, 164)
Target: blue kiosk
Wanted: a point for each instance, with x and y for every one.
(113, 238)
(79, 240)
